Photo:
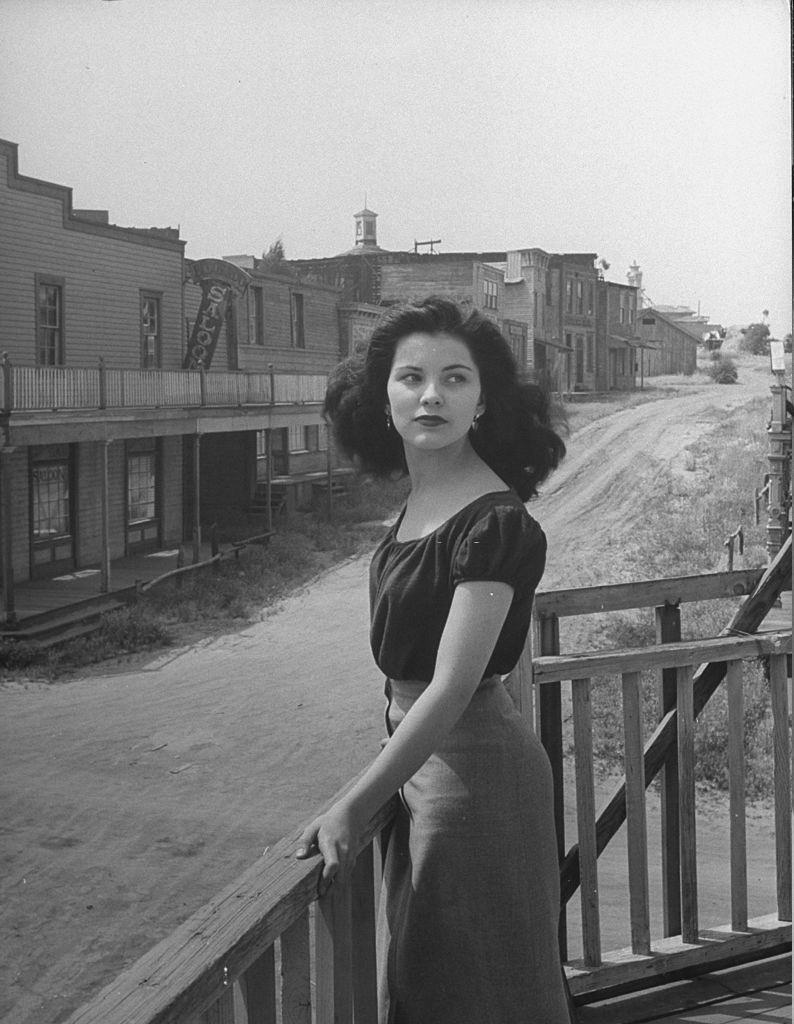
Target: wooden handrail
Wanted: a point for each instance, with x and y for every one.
(705, 681)
(646, 593)
(551, 668)
(196, 964)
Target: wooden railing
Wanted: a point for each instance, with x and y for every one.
(268, 949)
(49, 388)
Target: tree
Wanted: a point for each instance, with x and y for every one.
(274, 256)
(755, 339)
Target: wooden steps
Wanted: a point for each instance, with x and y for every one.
(60, 625)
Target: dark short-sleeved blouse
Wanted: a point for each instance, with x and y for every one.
(412, 583)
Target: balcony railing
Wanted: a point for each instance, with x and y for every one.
(268, 949)
(48, 388)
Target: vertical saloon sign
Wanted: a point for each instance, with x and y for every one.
(219, 281)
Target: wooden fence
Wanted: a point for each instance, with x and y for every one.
(50, 388)
(267, 949)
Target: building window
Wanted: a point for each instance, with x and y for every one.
(568, 295)
(259, 317)
(322, 444)
(297, 438)
(648, 320)
(548, 288)
(590, 298)
(623, 314)
(490, 294)
(580, 296)
(49, 321)
(141, 483)
(298, 334)
(311, 438)
(569, 341)
(50, 492)
(150, 331)
(590, 353)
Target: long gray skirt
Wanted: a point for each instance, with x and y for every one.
(467, 929)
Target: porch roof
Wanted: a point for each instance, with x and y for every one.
(633, 342)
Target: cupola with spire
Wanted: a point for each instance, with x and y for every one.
(366, 229)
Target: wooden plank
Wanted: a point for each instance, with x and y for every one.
(646, 593)
(365, 996)
(333, 956)
(716, 946)
(637, 659)
(668, 630)
(258, 990)
(686, 806)
(296, 1000)
(222, 1010)
(585, 819)
(184, 973)
(736, 788)
(639, 902)
(549, 726)
(781, 740)
(708, 677)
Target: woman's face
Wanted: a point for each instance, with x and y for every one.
(433, 390)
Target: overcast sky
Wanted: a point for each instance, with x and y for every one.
(648, 130)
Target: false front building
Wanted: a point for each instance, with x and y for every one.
(110, 442)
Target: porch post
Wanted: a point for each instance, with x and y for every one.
(7, 536)
(269, 477)
(778, 455)
(196, 498)
(668, 630)
(104, 584)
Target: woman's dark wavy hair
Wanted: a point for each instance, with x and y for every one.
(515, 435)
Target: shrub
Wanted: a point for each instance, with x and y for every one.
(755, 339)
(722, 369)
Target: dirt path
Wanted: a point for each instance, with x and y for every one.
(130, 798)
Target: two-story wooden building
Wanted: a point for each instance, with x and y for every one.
(124, 426)
(620, 358)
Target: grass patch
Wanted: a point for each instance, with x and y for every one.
(685, 519)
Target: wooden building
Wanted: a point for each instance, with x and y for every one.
(674, 345)
(111, 441)
(572, 297)
(620, 352)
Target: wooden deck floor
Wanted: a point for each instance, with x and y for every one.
(759, 993)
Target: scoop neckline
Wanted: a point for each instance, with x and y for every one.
(463, 508)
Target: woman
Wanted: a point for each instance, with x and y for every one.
(469, 912)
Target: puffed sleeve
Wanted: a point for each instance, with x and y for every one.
(504, 544)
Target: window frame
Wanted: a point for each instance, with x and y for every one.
(258, 300)
(58, 282)
(151, 295)
(297, 320)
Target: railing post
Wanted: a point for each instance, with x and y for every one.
(365, 997)
(272, 375)
(685, 719)
(635, 814)
(104, 501)
(203, 383)
(782, 769)
(668, 630)
(257, 991)
(333, 956)
(736, 791)
(296, 1000)
(586, 820)
(8, 384)
(102, 384)
(550, 729)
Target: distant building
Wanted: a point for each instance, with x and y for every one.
(674, 346)
(619, 349)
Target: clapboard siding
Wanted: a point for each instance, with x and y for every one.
(103, 275)
(320, 322)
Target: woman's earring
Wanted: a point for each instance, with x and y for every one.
(389, 423)
(476, 421)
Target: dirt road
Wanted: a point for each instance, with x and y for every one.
(129, 798)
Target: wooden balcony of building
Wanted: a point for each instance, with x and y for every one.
(267, 949)
(36, 401)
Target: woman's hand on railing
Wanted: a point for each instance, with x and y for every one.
(335, 837)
